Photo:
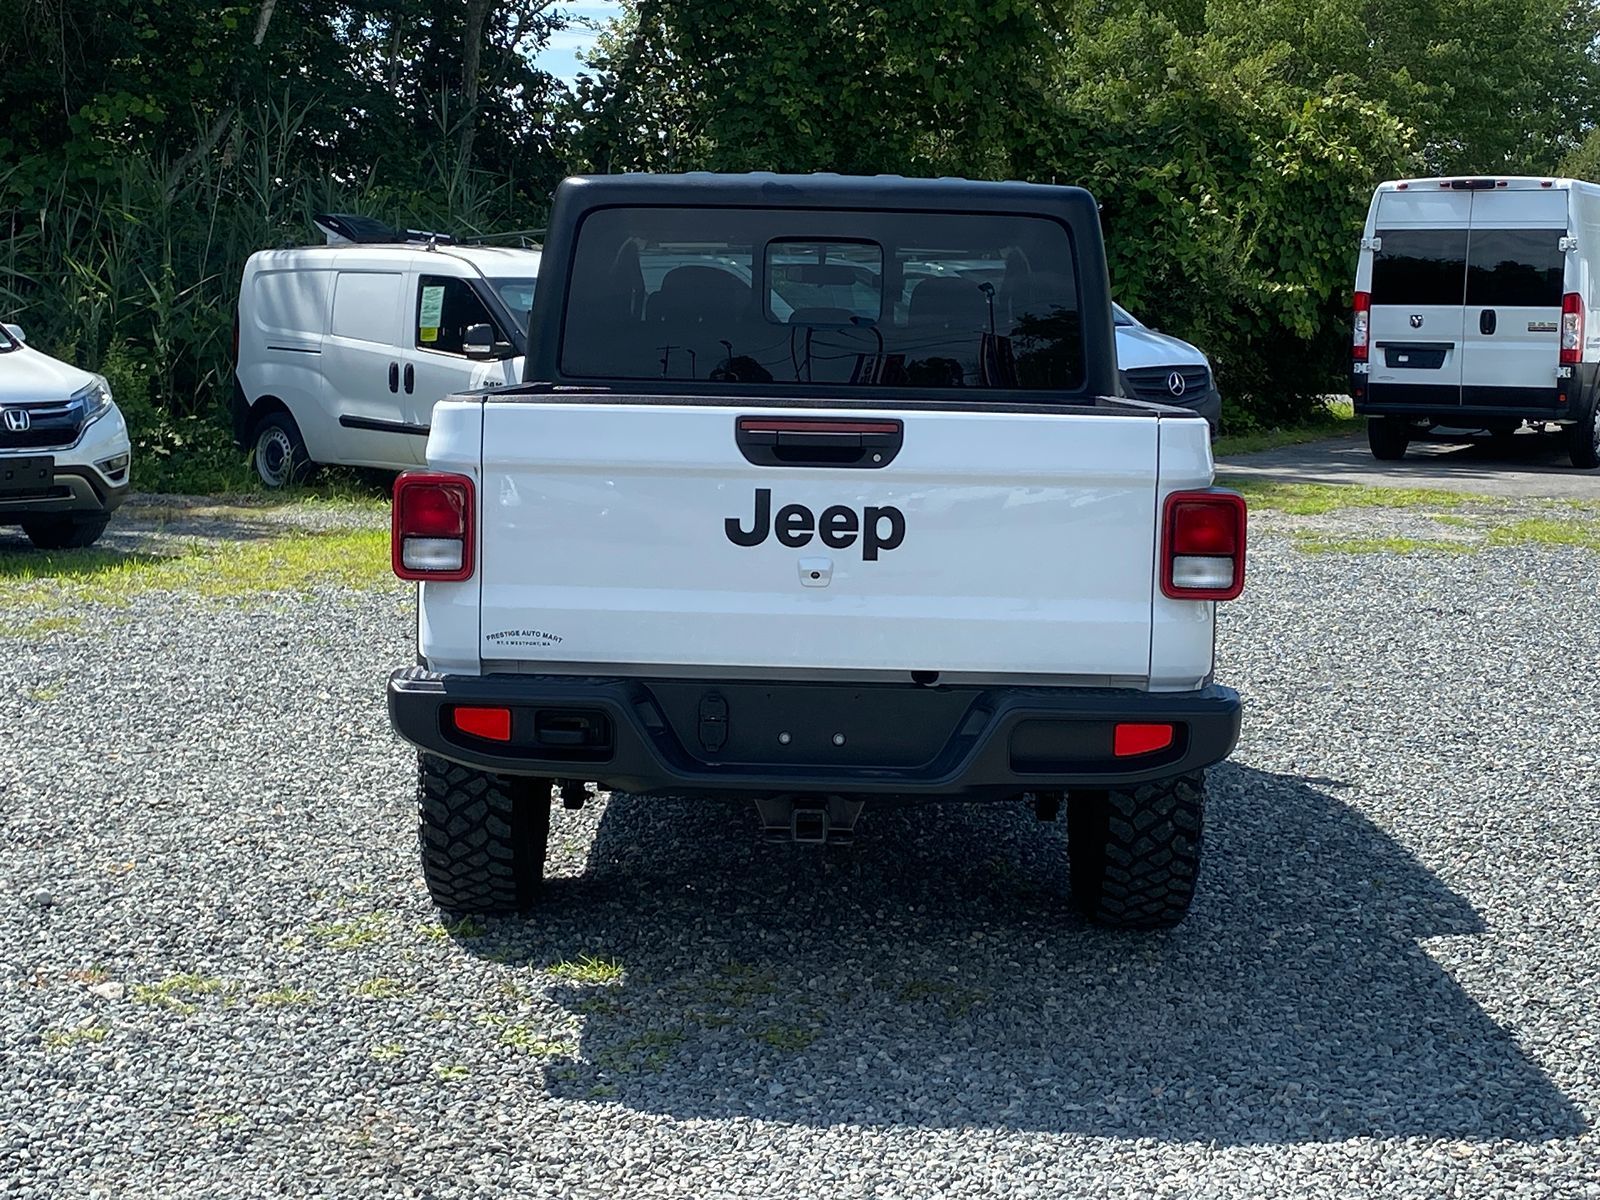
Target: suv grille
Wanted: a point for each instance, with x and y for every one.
(50, 425)
(1155, 383)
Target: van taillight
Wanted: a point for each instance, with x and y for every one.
(1571, 329)
(1363, 326)
(1202, 547)
(431, 530)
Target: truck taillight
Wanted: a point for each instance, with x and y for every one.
(431, 531)
(1571, 329)
(1359, 339)
(1202, 547)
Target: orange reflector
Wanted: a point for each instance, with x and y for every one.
(1130, 740)
(493, 724)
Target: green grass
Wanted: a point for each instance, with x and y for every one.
(285, 997)
(1546, 532)
(788, 1037)
(1336, 419)
(523, 1038)
(650, 1051)
(587, 970)
(178, 992)
(1316, 499)
(382, 988)
(64, 1039)
(293, 562)
(387, 1051)
(45, 626)
(1316, 543)
(450, 1072)
(352, 934)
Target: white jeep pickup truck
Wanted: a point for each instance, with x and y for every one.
(818, 493)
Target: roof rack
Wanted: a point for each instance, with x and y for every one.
(348, 229)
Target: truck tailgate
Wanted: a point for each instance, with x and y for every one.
(611, 536)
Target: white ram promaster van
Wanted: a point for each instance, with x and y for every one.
(1475, 309)
(818, 492)
(342, 350)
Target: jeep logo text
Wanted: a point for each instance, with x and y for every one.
(838, 527)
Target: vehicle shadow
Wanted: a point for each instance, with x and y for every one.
(1442, 456)
(930, 975)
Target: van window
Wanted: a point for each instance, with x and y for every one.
(1420, 266)
(294, 302)
(1515, 268)
(445, 309)
(365, 306)
(861, 299)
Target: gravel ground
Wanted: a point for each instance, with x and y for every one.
(219, 974)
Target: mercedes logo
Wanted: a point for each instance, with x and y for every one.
(1416, 320)
(1176, 385)
(17, 419)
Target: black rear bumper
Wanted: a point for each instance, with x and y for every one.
(678, 736)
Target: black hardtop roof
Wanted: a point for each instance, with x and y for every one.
(818, 190)
(579, 195)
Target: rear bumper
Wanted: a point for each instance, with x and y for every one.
(1463, 407)
(676, 736)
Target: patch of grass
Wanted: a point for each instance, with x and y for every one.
(1316, 543)
(178, 992)
(382, 988)
(1336, 419)
(450, 1071)
(788, 1037)
(523, 1037)
(285, 997)
(387, 1051)
(44, 626)
(352, 934)
(65, 1039)
(587, 970)
(956, 1000)
(297, 561)
(43, 695)
(466, 927)
(1546, 532)
(1315, 499)
(650, 1051)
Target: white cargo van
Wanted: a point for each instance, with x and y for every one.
(1475, 309)
(343, 349)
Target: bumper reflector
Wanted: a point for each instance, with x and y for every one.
(491, 724)
(1130, 740)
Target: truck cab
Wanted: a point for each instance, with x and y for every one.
(818, 493)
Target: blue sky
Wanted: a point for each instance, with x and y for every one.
(560, 58)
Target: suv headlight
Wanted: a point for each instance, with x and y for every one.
(96, 399)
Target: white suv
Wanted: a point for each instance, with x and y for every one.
(64, 448)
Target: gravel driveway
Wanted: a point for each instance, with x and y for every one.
(219, 974)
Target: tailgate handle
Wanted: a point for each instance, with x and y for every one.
(818, 442)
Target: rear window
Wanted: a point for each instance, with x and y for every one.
(864, 299)
(1515, 268)
(1420, 266)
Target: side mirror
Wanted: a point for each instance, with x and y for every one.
(15, 331)
(478, 341)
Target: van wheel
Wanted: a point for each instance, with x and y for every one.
(64, 533)
(280, 452)
(1583, 440)
(1388, 437)
(1134, 856)
(483, 837)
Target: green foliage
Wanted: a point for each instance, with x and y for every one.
(1232, 144)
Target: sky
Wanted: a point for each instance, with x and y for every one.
(560, 57)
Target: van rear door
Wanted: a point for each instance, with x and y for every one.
(1418, 288)
(1515, 268)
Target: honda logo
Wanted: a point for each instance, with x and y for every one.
(1176, 385)
(17, 420)
(1416, 320)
